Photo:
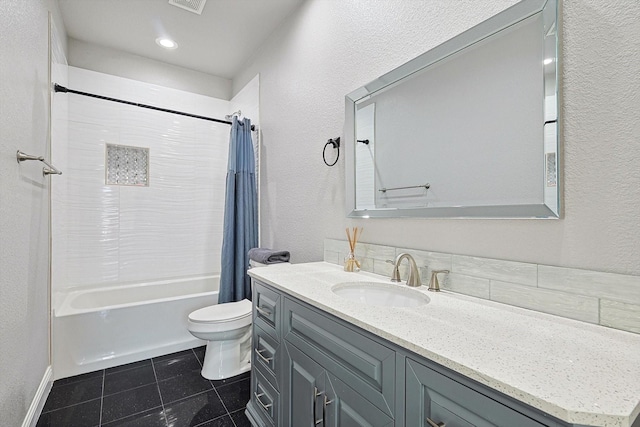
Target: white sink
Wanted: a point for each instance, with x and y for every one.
(380, 294)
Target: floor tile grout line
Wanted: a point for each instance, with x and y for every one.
(134, 414)
(124, 370)
(70, 406)
(221, 401)
(102, 395)
(218, 394)
(215, 389)
(189, 397)
(232, 420)
(166, 421)
(129, 389)
(213, 419)
(198, 359)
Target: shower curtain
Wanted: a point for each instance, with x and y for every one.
(240, 215)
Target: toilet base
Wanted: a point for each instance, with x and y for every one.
(226, 359)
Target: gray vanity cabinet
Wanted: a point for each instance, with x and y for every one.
(311, 369)
(264, 408)
(334, 372)
(433, 397)
(314, 396)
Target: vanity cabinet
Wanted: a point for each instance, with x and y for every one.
(310, 368)
(335, 376)
(433, 398)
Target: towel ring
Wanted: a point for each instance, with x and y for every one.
(335, 143)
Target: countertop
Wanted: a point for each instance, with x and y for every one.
(578, 372)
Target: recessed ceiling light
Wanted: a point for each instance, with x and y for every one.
(166, 43)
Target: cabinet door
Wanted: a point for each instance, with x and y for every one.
(365, 364)
(302, 389)
(343, 407)
(436, 397)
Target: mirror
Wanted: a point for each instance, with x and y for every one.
(465, 130)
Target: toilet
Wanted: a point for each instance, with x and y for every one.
(227, 330)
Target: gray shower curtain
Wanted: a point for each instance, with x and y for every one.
(240, 215)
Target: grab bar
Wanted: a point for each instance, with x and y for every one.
(48, 170)
(426, 186)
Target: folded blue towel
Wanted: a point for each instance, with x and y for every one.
(268, 256)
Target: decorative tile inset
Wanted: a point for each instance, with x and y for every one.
(127, 165)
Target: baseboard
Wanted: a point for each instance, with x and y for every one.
(35, 409)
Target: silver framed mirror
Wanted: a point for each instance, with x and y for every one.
(468, 129)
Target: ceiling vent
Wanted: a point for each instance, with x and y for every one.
(194, 6)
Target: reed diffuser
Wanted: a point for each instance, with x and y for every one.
(351, 263)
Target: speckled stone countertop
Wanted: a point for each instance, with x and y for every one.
(578, 372)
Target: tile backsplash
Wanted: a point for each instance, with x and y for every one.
(607, 299)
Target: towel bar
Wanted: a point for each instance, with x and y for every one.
(48, 170)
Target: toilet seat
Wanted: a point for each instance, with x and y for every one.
(222, 313)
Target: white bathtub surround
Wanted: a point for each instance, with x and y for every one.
(607, 299)
(101, 327)
(576, 371)
(109, 234)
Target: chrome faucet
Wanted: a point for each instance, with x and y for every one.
(413, 279)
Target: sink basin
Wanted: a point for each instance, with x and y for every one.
(380, 294)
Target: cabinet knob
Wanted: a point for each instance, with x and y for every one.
(435, 424)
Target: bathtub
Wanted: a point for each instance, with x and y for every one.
(99, 328)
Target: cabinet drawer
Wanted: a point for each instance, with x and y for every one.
(367, 366)
(430, 394)
(265, 354)
(266, 309)
(265, 399)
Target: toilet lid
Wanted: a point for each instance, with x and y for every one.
(222, 312)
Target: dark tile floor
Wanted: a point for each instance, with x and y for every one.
(165, 391)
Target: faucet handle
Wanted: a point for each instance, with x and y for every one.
(395, 274)
(434, 285)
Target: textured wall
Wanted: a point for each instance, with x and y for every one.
(114, 234)
(329, 48)
(111, 61)
(24, 228)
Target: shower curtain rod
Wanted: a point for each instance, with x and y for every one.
(58, 88)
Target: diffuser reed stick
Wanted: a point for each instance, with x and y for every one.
(351, 263)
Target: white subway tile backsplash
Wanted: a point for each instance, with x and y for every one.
(468, 285)
(331, 256)
(552, 302)
(334, 245)
(620, 315)
(507, 271)
(429, 260)
(608, 299)
(612, 286)
(383, 268)
(379, 252)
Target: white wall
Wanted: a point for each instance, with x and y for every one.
(106, 60)
(24, 207)
(328, 48)
(112, 234)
